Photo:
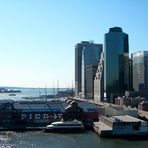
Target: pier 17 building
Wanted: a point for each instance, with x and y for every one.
(116, 63)
(22, 114)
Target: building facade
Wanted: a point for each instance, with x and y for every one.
(130, 75)
(143, 106)
(129, 101)
(78, 60)
(90, 56)
(20, 114)
(121, 126)
(140, 72)
(99, 81)
(89, 86)
(116, 63)
(116, 110)
(86, 53)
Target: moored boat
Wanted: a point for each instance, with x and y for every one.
(12, 94)
(65, 127)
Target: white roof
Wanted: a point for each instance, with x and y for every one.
(139, 53)
(102, 126)
(127, 118)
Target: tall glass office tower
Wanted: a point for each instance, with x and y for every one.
(90, 56)
(116, 63)
(86, 53)
(78, 61)
(140, 72)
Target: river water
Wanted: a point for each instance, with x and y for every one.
(51, 140)
(39, 139)
(29, 92)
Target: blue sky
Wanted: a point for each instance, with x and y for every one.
(37, 37)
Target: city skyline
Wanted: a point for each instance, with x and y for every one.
(33, 34)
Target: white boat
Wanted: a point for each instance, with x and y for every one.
(12, 94)
(65, 127)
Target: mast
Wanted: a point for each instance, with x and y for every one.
(72, 90)
(53, 89)
(39, 92)
(45, 90)
(45, 93)
(58, 88)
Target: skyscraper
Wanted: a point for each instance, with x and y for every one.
(130, 74)
(86, 53)
(78, 61)
(90, 72)
(140, 72)
(116, 63)
(99, 81)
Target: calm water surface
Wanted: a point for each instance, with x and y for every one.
(50, 140)
(29, 92)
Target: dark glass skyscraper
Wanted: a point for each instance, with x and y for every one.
(86, 53)
(116, 63)
(78, 61)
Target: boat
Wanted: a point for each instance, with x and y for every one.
(65, 127)
(12, 94)
(5, 90)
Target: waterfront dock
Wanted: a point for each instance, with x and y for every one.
(121, 126)
(31, 115)
(102, 129)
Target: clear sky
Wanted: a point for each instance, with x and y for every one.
(37, 37)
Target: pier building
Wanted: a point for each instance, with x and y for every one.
(121, 126)
(115, 110)
(41, 113)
